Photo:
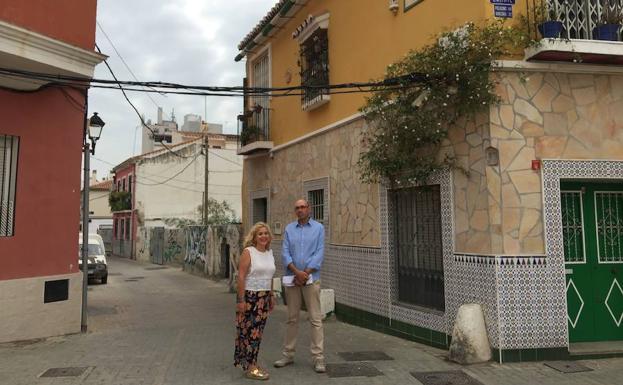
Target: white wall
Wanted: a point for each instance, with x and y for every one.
(158, 197)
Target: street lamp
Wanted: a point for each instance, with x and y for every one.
(96, 125)
(93, 130)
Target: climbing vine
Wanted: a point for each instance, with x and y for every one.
(408, 122)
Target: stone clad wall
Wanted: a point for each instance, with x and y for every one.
(353, 206)
(548, 116)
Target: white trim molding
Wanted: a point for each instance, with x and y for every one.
(31, 51)
(570, 68)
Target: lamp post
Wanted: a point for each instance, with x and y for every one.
(94, 130)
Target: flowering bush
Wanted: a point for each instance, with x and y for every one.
(409, 121)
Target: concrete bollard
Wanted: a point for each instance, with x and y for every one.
(470, 344)
(327, 302)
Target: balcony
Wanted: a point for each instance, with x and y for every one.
(581, 39)
(254, 132)
(120, 201)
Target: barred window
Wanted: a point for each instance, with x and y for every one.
(314, 64)
(418, 246)
(9, 147)
(261, 79)
(316, 204)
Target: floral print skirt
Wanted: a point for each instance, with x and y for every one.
(250, 327)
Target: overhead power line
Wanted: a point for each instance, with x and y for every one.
(140, 117)
(123, 60)
(401, 82)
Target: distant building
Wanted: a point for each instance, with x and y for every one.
(192, 123)
(167, 186)
(100, 214)
(160, 132)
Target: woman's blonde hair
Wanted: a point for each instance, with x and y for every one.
(249, 240)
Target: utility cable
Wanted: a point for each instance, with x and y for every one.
(135, 109)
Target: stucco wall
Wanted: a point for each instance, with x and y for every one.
(68, 20)
(180, 197)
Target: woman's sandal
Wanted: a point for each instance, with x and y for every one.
(257, 374)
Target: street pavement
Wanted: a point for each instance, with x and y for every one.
(163, 326)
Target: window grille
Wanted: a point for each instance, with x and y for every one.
(314, 64)
(316, 204)
(418, 246)
(261, 79)
(9, 147)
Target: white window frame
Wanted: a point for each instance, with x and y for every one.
(321, 184)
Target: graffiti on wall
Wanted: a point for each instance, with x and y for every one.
(196, 240)
(173, 246)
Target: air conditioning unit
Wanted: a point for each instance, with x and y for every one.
(393, 5)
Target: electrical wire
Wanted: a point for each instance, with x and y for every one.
(181, 171)
(123, 60)
(355, 87)
(135, 109)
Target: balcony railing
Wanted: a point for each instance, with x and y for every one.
(579, 18)
(254, 131)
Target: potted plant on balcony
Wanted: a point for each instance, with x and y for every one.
(545, 19)
(249, 134)
(609, 26)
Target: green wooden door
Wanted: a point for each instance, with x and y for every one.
(592, 224)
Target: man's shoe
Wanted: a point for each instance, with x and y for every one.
(285, 361)
(319, 366)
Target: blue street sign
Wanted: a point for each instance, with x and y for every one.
(502, 1)
(504, 11)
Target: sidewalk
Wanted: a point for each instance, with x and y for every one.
(162, 326)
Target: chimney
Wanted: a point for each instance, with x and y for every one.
(93, 179)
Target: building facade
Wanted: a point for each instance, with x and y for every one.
(535, 238)
(40, 282)
(167, 189)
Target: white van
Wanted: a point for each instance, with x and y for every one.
(97, 265)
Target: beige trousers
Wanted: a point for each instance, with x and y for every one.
(294, 296)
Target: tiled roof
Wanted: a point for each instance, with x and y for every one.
(154, 152)
(104, 185)
(263, 23)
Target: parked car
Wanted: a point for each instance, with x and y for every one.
(97, 265)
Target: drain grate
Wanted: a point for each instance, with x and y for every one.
(64, 372)
(360, 369)
(568, 366)
(365, 356)
(452, 377)
(156, 268)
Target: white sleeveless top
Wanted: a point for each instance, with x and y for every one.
(261, 271)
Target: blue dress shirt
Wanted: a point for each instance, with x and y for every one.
(303, 245)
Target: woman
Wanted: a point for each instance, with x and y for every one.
(254, 299)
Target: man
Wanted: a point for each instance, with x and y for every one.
(302, 254)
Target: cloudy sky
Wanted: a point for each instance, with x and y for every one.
(180, 41)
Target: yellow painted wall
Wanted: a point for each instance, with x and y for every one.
(364, 37)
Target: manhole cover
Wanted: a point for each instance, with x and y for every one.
(452, 377)
(64, 372)
(568, 366)
(114, 274)
(156, 268)
(136, 278)
(131, 280)
(360, 369)
(365, 356)
(96, 310)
